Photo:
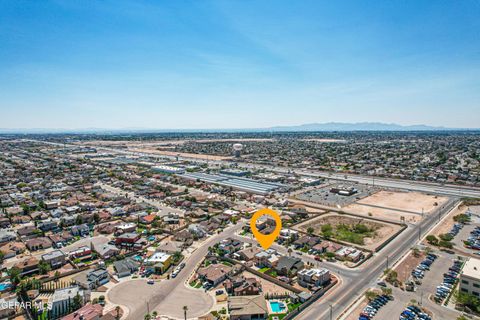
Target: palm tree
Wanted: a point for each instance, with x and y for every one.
(117, 317)
(185, 308)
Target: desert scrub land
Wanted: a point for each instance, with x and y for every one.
(346, 228)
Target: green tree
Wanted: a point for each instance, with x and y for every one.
(370, 295)
(44, 267)
(431, 239)
(15, 275)
(310, 231)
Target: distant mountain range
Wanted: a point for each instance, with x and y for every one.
(360, 126)
(310, 127)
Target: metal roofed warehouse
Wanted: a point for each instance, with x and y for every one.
(243, 184)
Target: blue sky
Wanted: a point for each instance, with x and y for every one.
(238, 64)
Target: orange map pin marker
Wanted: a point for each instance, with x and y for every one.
(266, 240)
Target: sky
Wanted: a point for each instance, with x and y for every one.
(117, 64)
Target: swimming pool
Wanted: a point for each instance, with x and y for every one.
(277, 306)
(4, 286)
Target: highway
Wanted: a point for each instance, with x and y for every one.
(450, 190)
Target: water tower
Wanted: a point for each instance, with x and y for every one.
(237, 148)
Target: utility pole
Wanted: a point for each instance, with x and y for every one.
(387, 262)
(331, 311)
(419, 232)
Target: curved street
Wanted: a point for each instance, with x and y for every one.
(168, 297)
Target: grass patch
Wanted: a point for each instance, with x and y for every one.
(195, 284)
(263, 270)
(293, 306)
(279, 316)
(354, 233)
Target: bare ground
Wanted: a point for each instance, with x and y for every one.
(383, 231)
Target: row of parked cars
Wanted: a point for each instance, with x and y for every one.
(178, 269)
(373, 306)
(419, 271)
(473, 240)
(455, 229)
(414, 313)
(449, 279)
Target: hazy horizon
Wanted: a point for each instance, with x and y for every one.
(238, 64)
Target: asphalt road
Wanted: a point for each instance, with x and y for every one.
(357, 283)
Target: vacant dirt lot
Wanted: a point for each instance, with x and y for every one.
(380, 213)
(181, 154)
(382, 230)
(404, 201)
(448, 223)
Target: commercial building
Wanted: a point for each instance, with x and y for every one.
(168, 169)
(237, 183)
(470, 277)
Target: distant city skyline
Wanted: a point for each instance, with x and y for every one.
(238, 64)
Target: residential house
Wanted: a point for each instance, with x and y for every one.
(230, 245)
(247, 308)
(80, 230)
(55, 258)
(87, 312)
(159, 262)
(246, 254)
(7, 235)
(11, 249)
(125, 267)
(313, 277)
(82, 253)
(214, 273)
(106, 251)
(306, 242)
(241, 286)
(288, 266)
(197, 231)
(127, 239)
(61, 300)
(27, 232)
(170, 247)
(39, 243)
(92, 279)
(267, 258)
(27, 266)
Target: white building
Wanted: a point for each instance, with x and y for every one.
(168, 169)
(470, 277)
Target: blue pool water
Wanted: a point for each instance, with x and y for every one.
(4, 286)
(277, 306)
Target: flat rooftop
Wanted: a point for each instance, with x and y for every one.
(243, 184)
(472, 268)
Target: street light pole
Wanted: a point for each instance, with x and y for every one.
(331, 311)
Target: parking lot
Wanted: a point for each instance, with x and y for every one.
(427, 288)
(323, 195)
(466, 233)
